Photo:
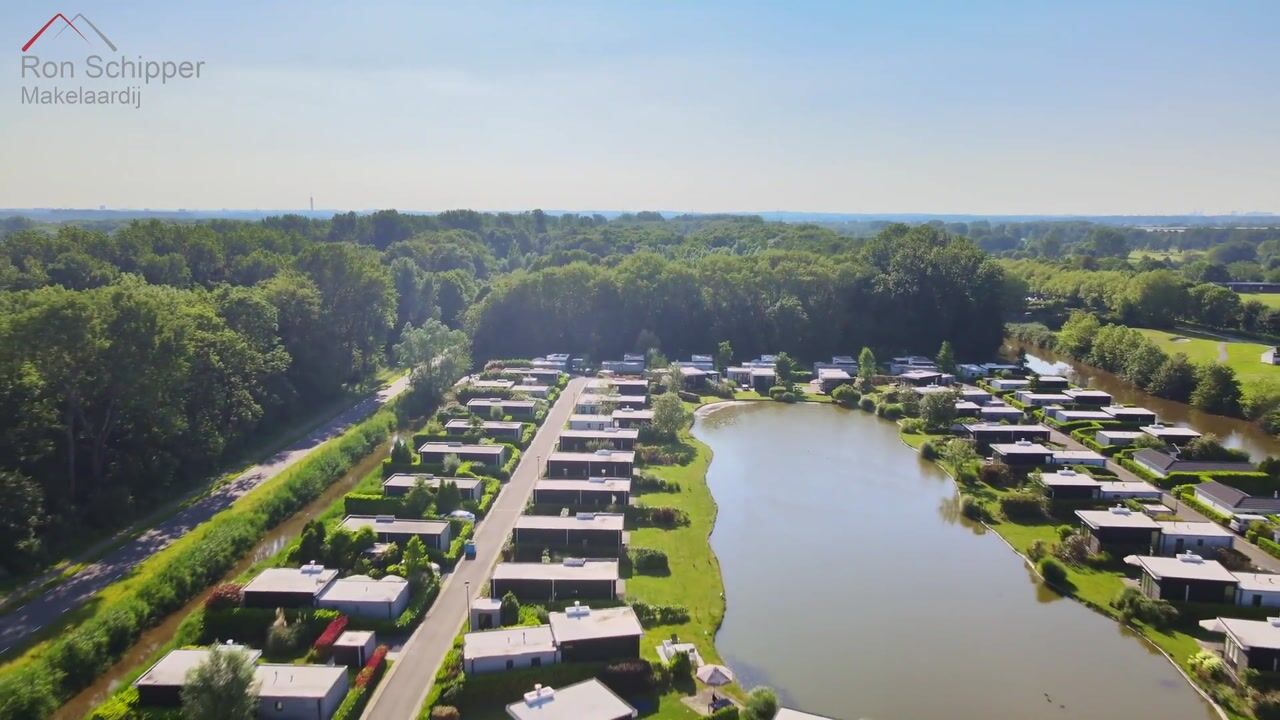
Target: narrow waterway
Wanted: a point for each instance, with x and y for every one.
(856, 590)
(1233, 432)
(275, 540)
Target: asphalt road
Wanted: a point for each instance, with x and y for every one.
(401, 693)
(18, 625)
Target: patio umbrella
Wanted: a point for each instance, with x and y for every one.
(715, 675)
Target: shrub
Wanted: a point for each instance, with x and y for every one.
(928, 450)
(651, 615)
(1266, 706)
(1073, 549)
(845, 395)
(973, 509)
(726, 713)
(867, 404)
(629, 678)
(373, 504)
(1133, 605)
(996, 474)
(659, 516)
(445, 712)
(1036, 550)
(372, 670)
(788, 397)
(1207, 666)
(647, 482)
(1023, 505)
(224, 595)
(681, 667)
(648, 561)
(913, 426)
(1053, 572)
(325, 642)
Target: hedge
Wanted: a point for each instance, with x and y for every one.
(1254, 483)
(1189, 499)
(648, 561)
(1270, 546)
(248, 626)
(370, 504)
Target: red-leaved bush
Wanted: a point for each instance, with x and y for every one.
(372, 670)
(330, 634)
(226, 595)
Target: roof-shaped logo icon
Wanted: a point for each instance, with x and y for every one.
(63, 24)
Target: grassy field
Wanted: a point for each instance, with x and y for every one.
(1243, 357)
(1271, 300)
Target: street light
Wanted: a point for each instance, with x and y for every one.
(467, 585)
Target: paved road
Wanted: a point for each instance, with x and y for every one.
(16, 626)
(1256, 555)
(401, 694)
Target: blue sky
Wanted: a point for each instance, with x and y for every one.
(979, 107)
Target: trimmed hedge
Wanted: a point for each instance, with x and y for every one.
(167, 580)
(370, 504)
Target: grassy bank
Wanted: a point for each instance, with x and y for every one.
(1243, 357)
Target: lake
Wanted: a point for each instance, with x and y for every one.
(856, 590)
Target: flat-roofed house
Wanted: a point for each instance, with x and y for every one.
(582, 440)
(1066, 415)
(986, 434)
(692, 378)
(1248, 644)
(288, 587)
(922, 377)
(1128, 490)
(532, 389)
(513, 648)
(582, 421)
(907, 363)
(601, 463)
(1052, 382)
(572, 579)
(1232, 501)
(541, 376)
(1089, 397)
(1131, 415)
(1069, 485)
(964, 408)
(587, 700)
(496, 429)
(490, 385)
(1023, 453)
(1087, 458)
(596, 491)
(1185, 578)
(1171, 434)
(161, 685)
(997, 412)
(584, 634)
(1258, 590)
(300, 692)
(1117, 438)
(483, 407)
(1006, 384)
(629, 418)
(830, 378)
(630, 364)
(1118, 530)
(553, 361)
(1205, 539)
(494, 456)
(1040, 399)
(972, 394)
(592, 532)
(353, 648)
(595, 404)
(399, 484)
(362, 596)
(434, 534)
(1161, 464)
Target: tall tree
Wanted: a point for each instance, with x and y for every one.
(946, 358)
(221, 688)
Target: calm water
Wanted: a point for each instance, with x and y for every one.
(1232, 431)
(856, 590)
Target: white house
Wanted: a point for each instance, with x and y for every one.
(300, 692)
(362, 596)
(1258, 590)
(583, 421)
(1202, 538)
(508, 649)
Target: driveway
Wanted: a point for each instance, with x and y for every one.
(402, 692)
(17, 626)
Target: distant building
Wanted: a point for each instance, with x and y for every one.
(288, 587)
(161, 685)
(630, 364)
(300, 692)
(612, 437)
(596, 491)
(362, 596)
(1205, 539)
(574, 578)
(1185, 578)
(1023, 453)
(511, 648)
(399, 484)
(1271, 356)
(1161, 464)
(1118, 530)
(583, 634)
(493, 456)
(590, 532)
(1232, 501)
(434, 534)
(587, 700)
(496, 429)
(601, 463)
(1248, 644)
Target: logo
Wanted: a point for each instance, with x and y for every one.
(70, 24)
(113, 80)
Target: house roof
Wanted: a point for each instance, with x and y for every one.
(567, 570)
(585, 623)
(590, 485)
(994, 427)
(1001, 410)
(366, 590)
(1118, 411)
(1010, 382)
(1087, 393)
(486, 424)
(579, 521)
(832, 374)
(1122, 486)
(447, 447)
(1182, 567)
(1170, 432)
(622, 456)
(395, 525)
(408, 480)
(1020, 449)
(788, 714)
(298, 681)
(171, 670)
(1237, 499)
(1043, 397)
(1117, 517)
(633, 413)
(587, 700)
(1081, 414)
(1070, 455)
(1259, 582)
(1067, 478)
(1166, 463)
(1120, 434)
(584, 417)
(1249, 634)
(1193, 529)
(306, 579)
(508, 642)
(608, 432)
(500, 402)
(354, 638)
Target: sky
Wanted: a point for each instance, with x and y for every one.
(976, 107)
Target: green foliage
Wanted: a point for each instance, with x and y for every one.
(681, 667)
(761, 704)
(651, 615)
(220, 688)
(946, 358)
(938, 411)
(670, 415)
(928, 450)
(373, 504)
(867, 404)
(866, 366)
(1207, 666)
(1217, 389)
(1053, 571)
(845, 395)
(1133, 605)
(509, 612)
(648, 561)
(1023, 505)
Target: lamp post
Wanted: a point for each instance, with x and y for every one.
(467, 585)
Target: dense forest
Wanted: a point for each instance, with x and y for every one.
(138, 358)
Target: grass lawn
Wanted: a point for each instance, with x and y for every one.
(1243, 357)
(1271, 300)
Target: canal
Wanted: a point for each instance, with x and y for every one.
(856, 590)
(1233, 432)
